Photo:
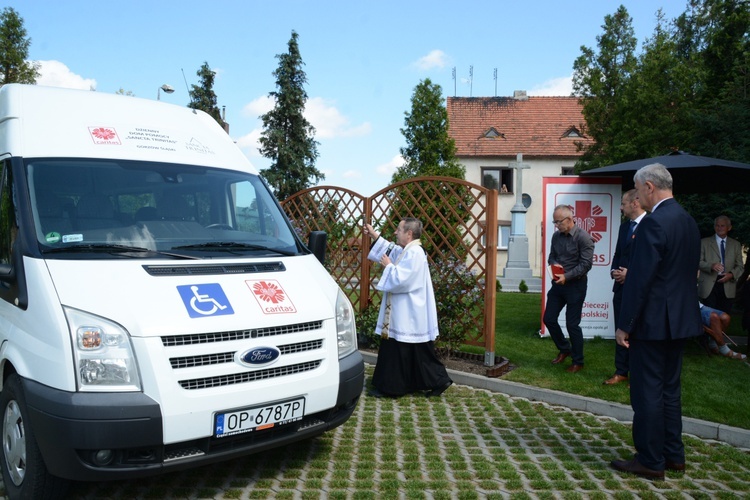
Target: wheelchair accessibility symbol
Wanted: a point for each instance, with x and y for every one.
(204, 300)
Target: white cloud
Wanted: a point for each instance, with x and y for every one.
(56, 74)
(329, 122)
(562, 86)
(321, 113)
(435, 59)
(259, 106)
(390, 167)
(352, 174)
(249, 144)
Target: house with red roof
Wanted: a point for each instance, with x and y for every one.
(491, 131)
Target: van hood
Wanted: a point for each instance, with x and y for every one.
(156, 297)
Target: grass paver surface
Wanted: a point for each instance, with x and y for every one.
(470, 443)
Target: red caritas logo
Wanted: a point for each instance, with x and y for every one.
(271, 297)
(590, 219)
(104, 135)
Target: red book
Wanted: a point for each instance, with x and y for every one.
(555, 269)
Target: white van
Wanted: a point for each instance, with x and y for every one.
(157, 309)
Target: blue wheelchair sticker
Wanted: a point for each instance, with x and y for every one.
(204, 300)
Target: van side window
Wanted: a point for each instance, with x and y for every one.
(8, 223)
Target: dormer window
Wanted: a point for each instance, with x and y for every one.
(573, 132)
(492, 133)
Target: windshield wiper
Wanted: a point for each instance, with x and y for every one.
(113, 248)
(231, 246)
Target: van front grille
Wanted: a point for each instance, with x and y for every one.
(240, 378)
(228, 357)
(205, 338)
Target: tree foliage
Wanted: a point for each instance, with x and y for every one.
(429, 148)
(14, 50)
(287, 138)
(203, 97)
(688, 90)
(430, 151)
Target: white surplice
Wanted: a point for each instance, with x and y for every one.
(407, 280)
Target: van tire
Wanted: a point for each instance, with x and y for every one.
(20, 453)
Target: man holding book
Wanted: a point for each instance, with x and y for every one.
(570, 258)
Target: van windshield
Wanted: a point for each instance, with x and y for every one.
(116, 206)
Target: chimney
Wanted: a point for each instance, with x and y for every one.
(520, 95)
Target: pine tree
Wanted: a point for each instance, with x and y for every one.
(203, 96)
(287, 137)
(14, 50)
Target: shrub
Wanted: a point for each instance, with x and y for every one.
(366, 322)
(523, 287)
(460, 301)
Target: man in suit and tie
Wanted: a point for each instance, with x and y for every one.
(721, 265)
(633, 213)
(657, 316)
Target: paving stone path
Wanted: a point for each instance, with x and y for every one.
(470, 443)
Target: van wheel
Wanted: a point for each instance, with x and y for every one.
(23, 469)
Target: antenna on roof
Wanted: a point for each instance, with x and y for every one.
(495, 82)
(187, 87)
(471, 81)
(454, 81)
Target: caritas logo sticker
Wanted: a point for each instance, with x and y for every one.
(271, 297)
(104, 135)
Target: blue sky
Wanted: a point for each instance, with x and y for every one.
(362, 60)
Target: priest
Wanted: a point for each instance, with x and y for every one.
(407, 322)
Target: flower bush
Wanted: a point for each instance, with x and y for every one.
(459, 296)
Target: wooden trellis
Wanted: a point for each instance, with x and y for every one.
(460, 220)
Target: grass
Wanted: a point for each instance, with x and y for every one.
(713, 388)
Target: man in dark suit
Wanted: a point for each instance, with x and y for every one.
(657, 316)
(631, 209)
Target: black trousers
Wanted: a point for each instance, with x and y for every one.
(569, 296)
(655, 395)
(622, 354)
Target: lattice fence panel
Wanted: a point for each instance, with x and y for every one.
(455, 213)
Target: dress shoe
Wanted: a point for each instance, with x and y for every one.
(439, 390)
(560, 358)
(615, 379)
(675, 466)
(634, 467)
(574, 368)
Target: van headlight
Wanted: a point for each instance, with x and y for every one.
(346, 328)
(103, 355)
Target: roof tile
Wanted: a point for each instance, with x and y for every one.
(534, 126)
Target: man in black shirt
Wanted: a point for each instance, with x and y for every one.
(573, 250)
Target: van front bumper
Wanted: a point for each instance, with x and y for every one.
(108, 436)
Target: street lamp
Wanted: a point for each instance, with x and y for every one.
(168, 89)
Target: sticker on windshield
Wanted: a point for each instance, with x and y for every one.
(203, 300)
(52, 237)
(271, 298)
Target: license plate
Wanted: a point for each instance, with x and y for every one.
(259, 417)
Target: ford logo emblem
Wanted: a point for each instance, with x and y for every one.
(258, 356)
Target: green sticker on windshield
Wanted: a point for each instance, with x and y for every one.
(52, 237)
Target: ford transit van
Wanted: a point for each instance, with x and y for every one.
(158, 310)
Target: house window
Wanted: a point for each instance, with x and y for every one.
(503, 235)
(498, 178)
(568, 171)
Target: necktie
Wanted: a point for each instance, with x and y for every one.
(722, 252)
(631, 229)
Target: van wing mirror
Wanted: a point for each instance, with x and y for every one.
(317, 244)
(7, 274)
